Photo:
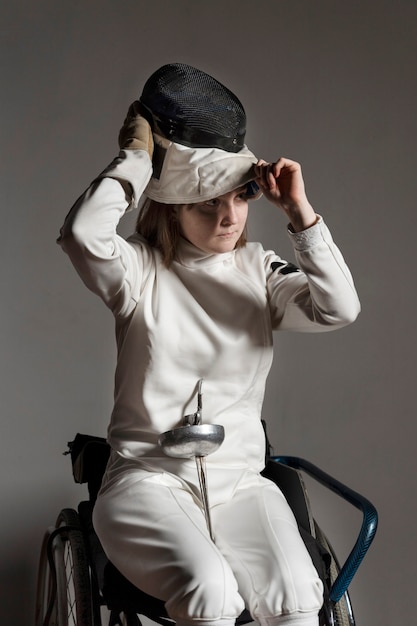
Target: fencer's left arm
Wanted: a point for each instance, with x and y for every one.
(321, 294)
(317, 294)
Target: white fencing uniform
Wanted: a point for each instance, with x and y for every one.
(209, 316)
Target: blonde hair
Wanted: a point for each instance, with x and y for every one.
(158, 224)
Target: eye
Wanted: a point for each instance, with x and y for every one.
(242, 193)
(209, 207)
(241, 197)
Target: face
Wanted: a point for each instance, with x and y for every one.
(215, 225)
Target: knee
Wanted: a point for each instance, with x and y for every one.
(297, 601)
(209, 599)
(295, 619)
(308, 592)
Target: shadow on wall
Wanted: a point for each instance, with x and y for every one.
(18, 578)
(24, 522)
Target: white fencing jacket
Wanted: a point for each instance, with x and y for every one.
(209, 316)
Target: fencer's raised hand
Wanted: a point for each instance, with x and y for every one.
(136, 133)
(282, 184)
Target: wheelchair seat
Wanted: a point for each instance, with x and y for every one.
(75, 578)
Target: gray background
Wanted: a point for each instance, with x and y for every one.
(330, 83)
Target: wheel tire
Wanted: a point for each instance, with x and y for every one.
(45, 612)
(339, 613)
(63, 591)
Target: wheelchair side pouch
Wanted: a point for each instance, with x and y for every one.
(89, 456)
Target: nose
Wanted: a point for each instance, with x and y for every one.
(229, 216)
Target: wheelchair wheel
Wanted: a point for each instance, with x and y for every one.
(63, 590)
(339, 613)
(45, 609)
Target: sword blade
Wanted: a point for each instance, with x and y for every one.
(202, 479)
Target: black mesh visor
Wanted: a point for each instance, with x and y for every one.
(190, 107)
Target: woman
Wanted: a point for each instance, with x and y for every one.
(193, 301)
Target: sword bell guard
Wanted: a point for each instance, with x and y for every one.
(192, 440)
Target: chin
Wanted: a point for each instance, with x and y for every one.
(226, 244)
(225, 247)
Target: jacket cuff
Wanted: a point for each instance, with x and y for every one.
(308, 238)
(133, 167)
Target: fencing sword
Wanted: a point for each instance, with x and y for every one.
(195, 440)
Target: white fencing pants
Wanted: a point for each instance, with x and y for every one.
(153, 529)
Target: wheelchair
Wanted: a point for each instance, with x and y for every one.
(78, 586)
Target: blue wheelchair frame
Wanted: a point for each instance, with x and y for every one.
(368, 527)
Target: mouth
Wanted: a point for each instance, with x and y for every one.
(228, 235)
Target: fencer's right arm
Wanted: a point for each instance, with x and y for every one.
(107, 264)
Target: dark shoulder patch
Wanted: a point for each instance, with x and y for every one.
(283, 267)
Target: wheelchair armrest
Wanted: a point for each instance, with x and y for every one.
(369, 521)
